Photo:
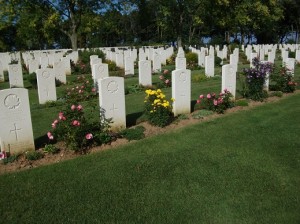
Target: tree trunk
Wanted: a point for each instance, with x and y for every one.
(73, 37)
(179, 41)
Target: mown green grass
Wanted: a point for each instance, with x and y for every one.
(239, 168)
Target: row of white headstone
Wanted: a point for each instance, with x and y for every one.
(15, 111)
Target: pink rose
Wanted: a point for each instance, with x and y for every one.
(75, 123)
(201, 97)
(166, 71)
(198, 101)
(225, 90)
(80, 91)
(55, 121)
(167, 81)
(89, 136)
(79, 107)
(93, 89)
(50, 136)
(161, 77)
(82, 87)
(215, 102)
(208, 96)
(73, 107)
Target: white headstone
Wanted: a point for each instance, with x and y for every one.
(229, 79)
(298, 56)
(120, 59)
(181, 91)
(15, 75)
(233, 62)
(201, 58)
(16, 128)
(112, 101)
(99, 71)
(267, 78)
(209, 66)
(60, 72)
(44, 61)
(156, 62)
(2, 79)
(46, 85)
(290, 65)
(33, 65)
(129, 65)
(145, 76)
(67, 65)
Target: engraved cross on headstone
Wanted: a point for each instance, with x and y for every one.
(15, 130)
(113, 108)
(47, 90)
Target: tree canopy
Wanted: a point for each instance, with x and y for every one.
(41, 24)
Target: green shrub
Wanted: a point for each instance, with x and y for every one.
(78, 130)
(282, 80)
(171, 60)
(218, 103)
(199, 77)
(33, 155)
(133, 89)
(84, 55)
(158, 110)
(32, 80)
(136, 133)
(276, 93)
(112, 66)
(10, 158)
(255, 80)
(50, 148)
(192, 61)
(292, 54)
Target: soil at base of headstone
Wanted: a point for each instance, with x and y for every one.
(64, 154)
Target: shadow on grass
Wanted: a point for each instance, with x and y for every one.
(193, 104)
(133, 119)
(41, 141)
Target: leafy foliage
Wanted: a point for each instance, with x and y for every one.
(136, 133)
(216, 103)
(282, 80)
(77, 130)
(255, 79)
(158, 110)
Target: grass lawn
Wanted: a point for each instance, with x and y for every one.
(240, 168)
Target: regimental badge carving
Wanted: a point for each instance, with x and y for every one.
(12, 101)
(112, 87)
(182, 77)
(15, 68)
(46, 74)
(101, 68)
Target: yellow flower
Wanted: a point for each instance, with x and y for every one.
(158, 91)
(162, 96)
(156, 101)
(172, 99)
